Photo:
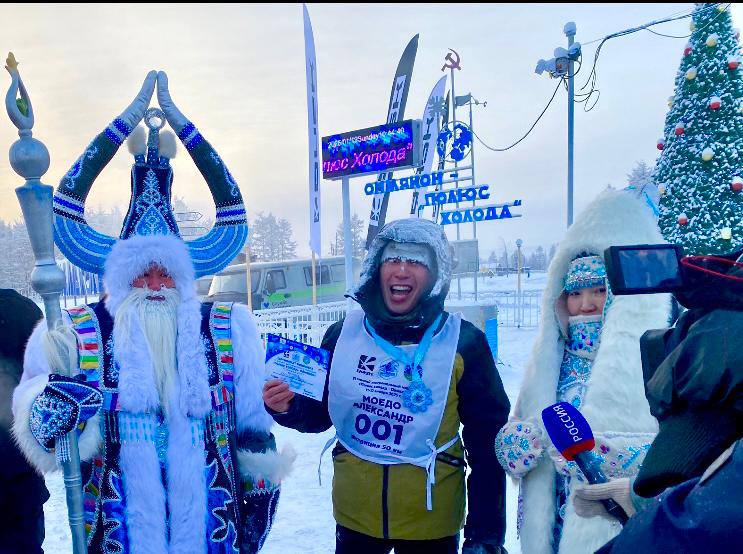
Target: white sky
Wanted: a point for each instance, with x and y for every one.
(238, 72)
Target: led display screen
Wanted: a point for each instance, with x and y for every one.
(371, 150)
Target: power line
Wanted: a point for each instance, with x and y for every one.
(593, 75)
(557, 88)
(584, 97)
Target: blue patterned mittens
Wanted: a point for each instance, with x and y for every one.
(518, 447)
(65, 403)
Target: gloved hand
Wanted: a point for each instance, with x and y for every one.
(174, 116)
(518, 446)
(134, 113)
(587, 499)
(65, 403)
(472, 547)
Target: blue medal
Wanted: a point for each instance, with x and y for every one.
(417, 396)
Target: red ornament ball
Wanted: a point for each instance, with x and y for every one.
(688, 49)
(715, 102)
(733, 62)
(661, 144)
(683, 220)
(679, 130)
(737, 183)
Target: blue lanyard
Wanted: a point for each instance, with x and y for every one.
(399, 354)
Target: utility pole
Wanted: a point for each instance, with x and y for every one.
(562, 66)
(569, 30)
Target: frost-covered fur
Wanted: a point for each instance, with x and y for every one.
(411, 230)
(270, 465)
(34, 379)
(615, 400)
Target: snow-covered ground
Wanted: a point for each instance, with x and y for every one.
(304, 521)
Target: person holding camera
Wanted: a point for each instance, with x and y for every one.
(404, 376)
(686, 496)
(586, 354)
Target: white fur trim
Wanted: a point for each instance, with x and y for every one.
(145, 498)
(137, 141)
(130, 258)
(34, 357)
(250, 363)
(89, 442)
(195, 399)
(167, 146)
(187, 499)
(615, 400)
(271, 465)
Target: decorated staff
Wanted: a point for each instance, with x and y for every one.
(30, 159)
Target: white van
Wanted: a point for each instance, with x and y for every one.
(282, 284)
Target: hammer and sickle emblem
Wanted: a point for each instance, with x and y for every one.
(452, 61)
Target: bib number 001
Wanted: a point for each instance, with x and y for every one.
(380, 428)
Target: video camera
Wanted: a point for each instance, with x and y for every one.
(695, 281)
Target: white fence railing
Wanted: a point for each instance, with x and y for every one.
(515, 310)
(301, 323)
(308, 323)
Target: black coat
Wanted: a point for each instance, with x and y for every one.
(22, 489)
(700, 515)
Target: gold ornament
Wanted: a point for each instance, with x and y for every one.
(712, 40)
(11, 63)
(691, 74)
(708, 154)
(726, 233)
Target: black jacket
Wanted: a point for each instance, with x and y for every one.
(22, 489)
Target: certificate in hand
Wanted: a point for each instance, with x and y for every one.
(302, 366)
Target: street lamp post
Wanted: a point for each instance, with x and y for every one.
(562, 66)
(569, 30)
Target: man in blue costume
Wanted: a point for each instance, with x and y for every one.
(174, 440)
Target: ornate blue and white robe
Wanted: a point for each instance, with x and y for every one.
(201, 479)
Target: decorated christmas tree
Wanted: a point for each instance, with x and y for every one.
(700, 171)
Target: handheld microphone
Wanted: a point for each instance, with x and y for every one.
(571, 434)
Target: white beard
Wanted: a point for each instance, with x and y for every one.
(158, 321)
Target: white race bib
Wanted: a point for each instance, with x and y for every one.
(365, 395)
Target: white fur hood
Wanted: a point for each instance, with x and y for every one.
(614, 218)
(130, 258)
